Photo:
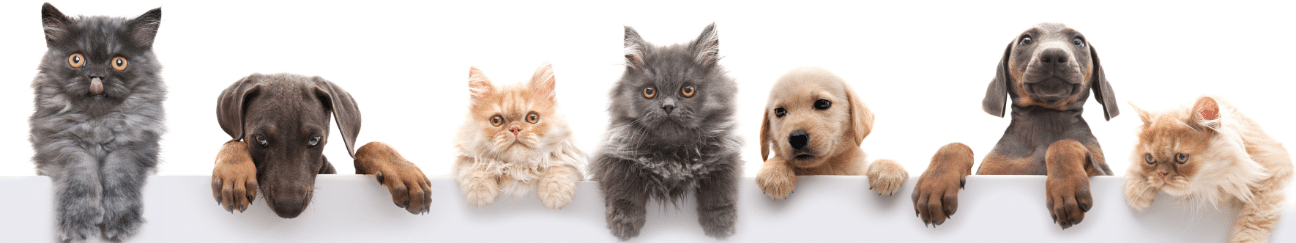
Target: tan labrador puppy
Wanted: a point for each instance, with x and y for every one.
(815, 123)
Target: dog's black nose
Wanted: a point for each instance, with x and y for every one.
(1054, 56)
(798, 139)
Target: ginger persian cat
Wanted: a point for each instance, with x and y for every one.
(1212, 154)
(513, 141)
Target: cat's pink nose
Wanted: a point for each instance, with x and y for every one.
(515, 130)
(1163, 174)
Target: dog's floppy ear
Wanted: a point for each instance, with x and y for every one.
(1101, 89)
(233, 102)
(861, 116)
(765, 135)
(997, 94)
(344, 109)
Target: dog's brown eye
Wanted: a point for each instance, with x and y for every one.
(1025, 40)
(1181, 158)
(1148, 158)
(314, 141)
(649, 92)
(533, 118)
(497, 120)
(76, 60)
(779, 112)
(1078, 42)
(822, 104)
(260, 140)
(119, 63)
(688, 91)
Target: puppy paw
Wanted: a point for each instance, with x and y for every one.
(234, 183)
(1068, 199)
(886, 176)
(719, 222)
(409, 188)
(558, 186)
(935, 195)
(480, 191)
(79, 219)
(1138, 194)
(776, 180)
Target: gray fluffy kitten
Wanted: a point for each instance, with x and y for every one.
(670, 134)
(98, 119)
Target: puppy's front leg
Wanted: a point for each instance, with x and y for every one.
(234, 180)
(1067, 186)
(123, 174)
(558, 186)
(717, 198)
(409, 188)
(776, 178)
(886, 176)
(76, 186)
(935, 195)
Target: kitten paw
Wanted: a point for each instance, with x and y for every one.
(625, 219)
(558, 187)
(776, 180)
(1137, 193)
(480, 191)
(1068, 198)
(118, 225)
(719, 223)
(886, 176)
(79, 220)
(234, 183)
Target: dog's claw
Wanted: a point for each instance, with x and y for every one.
(379, 175)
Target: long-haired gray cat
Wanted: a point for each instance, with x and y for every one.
(98, 119)
(670, 134)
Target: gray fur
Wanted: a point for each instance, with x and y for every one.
(650, 153)
(98, 149)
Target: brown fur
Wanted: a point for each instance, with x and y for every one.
(953, 162)
(834, 135)
(234, 166)
(1048, 72)
(1226, 158)
(405, 181)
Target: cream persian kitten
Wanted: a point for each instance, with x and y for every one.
(514, 141)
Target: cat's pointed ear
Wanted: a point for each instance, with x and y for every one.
(1101, 88)
(144, 28)
(231, 103)
(706, 49)
(56, 24)
(345, 110)
(997, 94)
(1143, 115)
(478, 85)
(542, 82)
(1206, 113)
(634, 46)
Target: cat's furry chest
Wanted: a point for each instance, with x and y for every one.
(135, 120)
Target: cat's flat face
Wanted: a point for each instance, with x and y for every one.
(1170, 152)
(674, 91)
(513, 119)
(98, 61)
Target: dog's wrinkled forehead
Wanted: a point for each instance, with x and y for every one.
(1030, 43)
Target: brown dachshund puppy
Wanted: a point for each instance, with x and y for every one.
(1048, 72)
(815, 123)
(279, 124)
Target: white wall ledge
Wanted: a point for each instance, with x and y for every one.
(354, 208)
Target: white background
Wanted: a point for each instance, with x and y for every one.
(921, 67)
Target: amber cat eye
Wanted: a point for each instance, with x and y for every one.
(76, 60)
(1182, 158)
(688, 91)
(119, 63)
(497, 120)
(533, 118)
(1148, 158)
(649, 92)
